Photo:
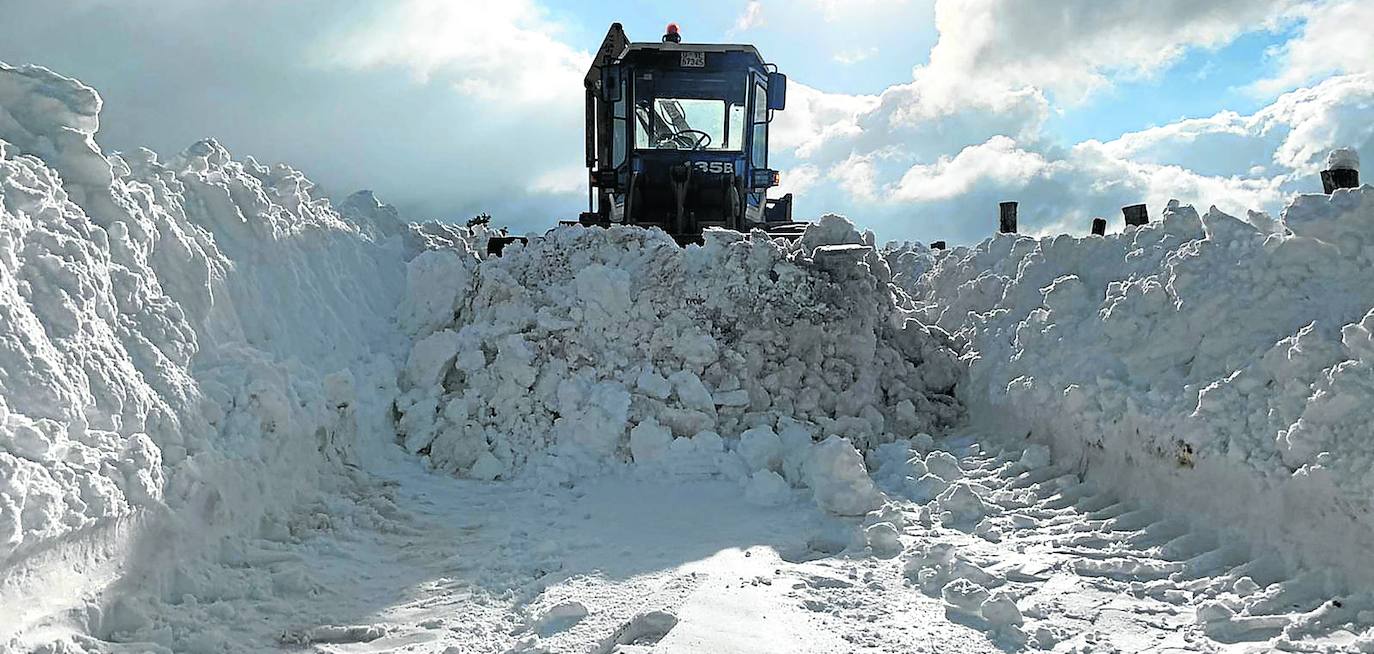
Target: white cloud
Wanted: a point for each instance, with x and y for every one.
(814, 117)
(1335, 38)
(991, 67)
(502, 51)
(854, 55)
(999, 160)
(1295, 132)
(561, 181)
(1337, 112)
(858, 176)
(751, 18)
(798, 180)
(1071, 47)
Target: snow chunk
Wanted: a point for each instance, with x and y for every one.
(835, 471)
(943, 465)
(958, 504)
(884, 539)
(1343, 159)
(652, 384)
(559, 617)
(1000, 611)
(649, 441)
(761, 449)
(487, 467)
(767, 488)
(437, 281)
(964, 596)
(431, 357)
(691, 392)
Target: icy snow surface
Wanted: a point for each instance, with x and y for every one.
(236, 417)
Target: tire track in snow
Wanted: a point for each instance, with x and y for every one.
(1088, 571)
(1032, 558)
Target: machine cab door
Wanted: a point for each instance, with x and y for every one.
(758, 147)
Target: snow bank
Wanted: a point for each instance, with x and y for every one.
(186, 335)
(590, 346)
(1206, 362)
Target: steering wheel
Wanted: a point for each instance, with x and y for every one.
(700, 143)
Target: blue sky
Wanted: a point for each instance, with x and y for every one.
(790, 38)
(912, 117)
(1202, 83)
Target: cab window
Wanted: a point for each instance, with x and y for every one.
(760, 154)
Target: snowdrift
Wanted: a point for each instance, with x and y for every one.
(178, 341)
(591, 346)
(1218, 366)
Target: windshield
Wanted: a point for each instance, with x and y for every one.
(690, 124)
(700, 111)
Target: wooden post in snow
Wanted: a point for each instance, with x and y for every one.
(1006, 222)
(1336, 178)
(1136, 215)
(1099, 226)
(1342, 170)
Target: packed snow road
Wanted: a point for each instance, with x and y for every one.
(1016, 553)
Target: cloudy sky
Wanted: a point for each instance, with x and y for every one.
(912, 117)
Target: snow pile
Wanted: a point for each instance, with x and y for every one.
(184, 334)
(1343, 159)
(590, 346)
(908, 261)
(1203, 361)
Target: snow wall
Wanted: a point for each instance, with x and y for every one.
(179, 341)
(1216, 367)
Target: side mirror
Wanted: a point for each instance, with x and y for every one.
(777, 91)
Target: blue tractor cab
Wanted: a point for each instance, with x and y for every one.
(677, 137)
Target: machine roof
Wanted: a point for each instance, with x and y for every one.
(692, 47)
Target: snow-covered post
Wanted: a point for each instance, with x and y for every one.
(1006, 223)
(1136, 215)
(1099, 226)
(937, 245)
(1342, 170)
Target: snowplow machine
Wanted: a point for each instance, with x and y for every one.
(677, 138)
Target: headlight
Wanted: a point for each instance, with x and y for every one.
(764, 178)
